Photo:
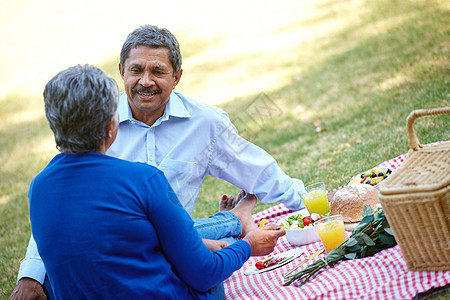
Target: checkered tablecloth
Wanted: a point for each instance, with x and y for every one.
(382, 276)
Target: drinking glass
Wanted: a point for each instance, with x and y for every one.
(315, 199)
(331, 231)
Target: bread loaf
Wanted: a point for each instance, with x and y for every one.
(349, 201)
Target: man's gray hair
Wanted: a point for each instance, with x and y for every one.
(152, 36)
(79, 104)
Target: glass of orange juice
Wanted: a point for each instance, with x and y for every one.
(331, 231)
(315, 199)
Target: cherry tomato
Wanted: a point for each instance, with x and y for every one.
(259, 265)
(307, 221)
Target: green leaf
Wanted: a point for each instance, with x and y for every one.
(335, 254)
(350, 255)
(367, 210)
(363, 252)
(379, 226)
(359, 228)
(377, 215)
(387, 239)
(389, 230)
(354, 248)
(366, 219)
(351, 242)
(367, 240)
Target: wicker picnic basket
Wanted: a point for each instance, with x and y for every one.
(416, 200)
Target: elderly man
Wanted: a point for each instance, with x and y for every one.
(184, 138)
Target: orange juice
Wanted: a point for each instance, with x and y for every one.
(331, 231)
(316, 202)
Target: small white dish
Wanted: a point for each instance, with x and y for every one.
(302, 236)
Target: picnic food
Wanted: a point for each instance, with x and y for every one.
(372, 177)
(269, 262)
(349, 201)
(371, 236)
(298, 221)
(300, 230)
(274, 261)
(263, 222)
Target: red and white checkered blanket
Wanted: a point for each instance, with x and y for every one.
(382, 276)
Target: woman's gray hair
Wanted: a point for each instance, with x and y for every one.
(152, 36)
(79, 104)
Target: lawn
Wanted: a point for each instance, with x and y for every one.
(326, 92)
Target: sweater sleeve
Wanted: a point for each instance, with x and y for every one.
(192, 261)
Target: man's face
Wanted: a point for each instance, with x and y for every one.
(148, 80)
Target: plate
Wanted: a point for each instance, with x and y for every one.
(358, 179)
(293, 252)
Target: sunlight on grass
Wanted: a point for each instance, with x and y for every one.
(395, 81)
(24, 116)
(47, 145)
(4, 199)
(240, 66)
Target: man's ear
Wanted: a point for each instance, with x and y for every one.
(177, 78)
(121, 70)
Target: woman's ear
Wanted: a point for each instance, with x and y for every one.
(113, 127)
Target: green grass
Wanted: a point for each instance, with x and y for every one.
(360, 67)
(361, 82)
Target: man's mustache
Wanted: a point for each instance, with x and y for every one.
(147, 90)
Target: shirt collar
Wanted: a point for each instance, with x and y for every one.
(175, 108)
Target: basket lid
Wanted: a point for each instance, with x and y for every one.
(424, 170)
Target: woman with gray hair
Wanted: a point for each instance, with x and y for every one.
(79, 104)
(112, 229)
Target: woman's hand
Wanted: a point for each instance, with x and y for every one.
(214, 245)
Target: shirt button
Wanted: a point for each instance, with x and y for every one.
(151, 158)
(133, 122)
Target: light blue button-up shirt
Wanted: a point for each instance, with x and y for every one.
(189, 141)
(192, 140)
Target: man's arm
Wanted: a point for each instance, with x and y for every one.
(31, 275)
(32, 265)
(252, 169)
(28, 289)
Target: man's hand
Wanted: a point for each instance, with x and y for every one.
(28, 289)
(214, 245)
(263, 239)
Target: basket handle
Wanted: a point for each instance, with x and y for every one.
(412, 138)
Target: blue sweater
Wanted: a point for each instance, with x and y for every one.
(112, 229)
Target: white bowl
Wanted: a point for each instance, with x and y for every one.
(302, 236)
